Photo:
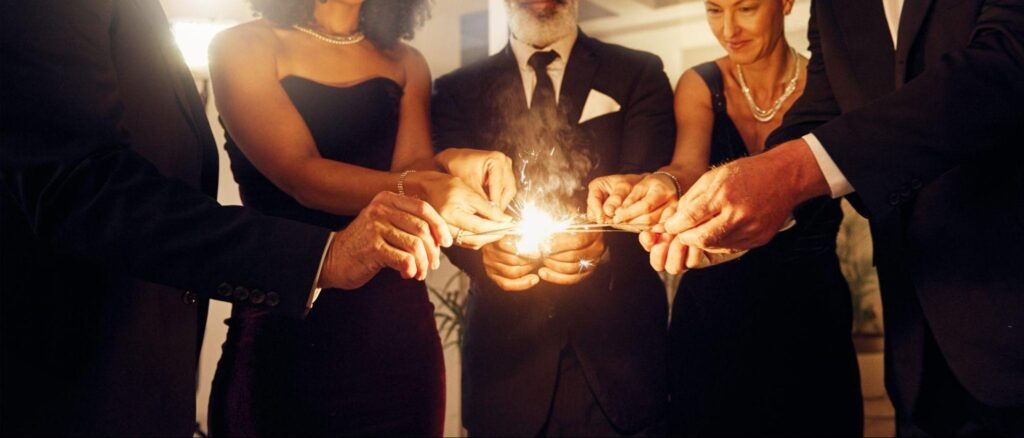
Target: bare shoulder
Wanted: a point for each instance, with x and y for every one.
(692, 91)
(258, 36)
(413, 63)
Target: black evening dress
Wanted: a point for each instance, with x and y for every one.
(363, 362)
(761, 345)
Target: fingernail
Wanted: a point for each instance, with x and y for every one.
(437, 264)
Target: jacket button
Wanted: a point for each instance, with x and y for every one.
(916, 184)
(257, 296)
(224, 290)
(273, 299)
(894, 199)
(905, 192)
(241, 293)
(188, 298)
(551, 312)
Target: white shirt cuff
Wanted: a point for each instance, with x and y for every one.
(837, 182)
(315, 293)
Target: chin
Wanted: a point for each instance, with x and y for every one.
(542, 23)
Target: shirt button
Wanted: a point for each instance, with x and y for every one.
(241, 293)
(551, 312)
(273, 299)
(257, 296)
(224, 290)
(188, 298)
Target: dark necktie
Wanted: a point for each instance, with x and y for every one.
(544, 93)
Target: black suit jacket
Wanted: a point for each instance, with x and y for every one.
(106, 155)
(615, 320)
(930, 136)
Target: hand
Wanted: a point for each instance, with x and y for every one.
(397, 232)
(606, 194)
(572, 257)
(647, 200)
(465, 209)
(508, 270)
(743, 204)
(488, 171)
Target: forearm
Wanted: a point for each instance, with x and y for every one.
(336, 187)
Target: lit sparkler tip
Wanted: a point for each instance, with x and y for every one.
(586, 264)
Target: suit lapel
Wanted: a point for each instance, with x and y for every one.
(579, 76)
(911, 19)
(507, 81)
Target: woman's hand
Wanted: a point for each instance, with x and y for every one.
(393, 231)
(490, 172)
(466, 210)
(647, 201)
(606, 195)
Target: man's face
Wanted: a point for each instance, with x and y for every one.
(542, 22)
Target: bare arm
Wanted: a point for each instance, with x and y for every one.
(272, 134)
(695, 119)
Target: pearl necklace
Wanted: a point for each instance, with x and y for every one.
(341, 40)
(767, 115)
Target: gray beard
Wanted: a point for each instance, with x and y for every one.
(542, 32)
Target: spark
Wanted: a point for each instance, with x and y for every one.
(585, 265)
(536, 228)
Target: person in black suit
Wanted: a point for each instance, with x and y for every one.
(111, 241)
(553, 347)
(911, 110)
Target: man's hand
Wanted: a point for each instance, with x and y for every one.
(466, 210)
(606, 195)
(743, 204)
(397, 232)
(647, 201)
(508, 270)
(488, 171)
(572, 258)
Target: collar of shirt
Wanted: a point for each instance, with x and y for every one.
(893, 10)
(556, 70)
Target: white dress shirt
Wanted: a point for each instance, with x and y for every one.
(837, 182)
(556, 70)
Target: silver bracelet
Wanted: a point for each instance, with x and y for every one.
(401, 181)
(679, 188)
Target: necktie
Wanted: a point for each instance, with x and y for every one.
(544, 93)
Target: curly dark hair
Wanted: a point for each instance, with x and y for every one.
(384, 22)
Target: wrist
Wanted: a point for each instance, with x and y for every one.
(794, 158)
(417, 183)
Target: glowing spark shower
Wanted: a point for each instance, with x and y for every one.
(536, 228)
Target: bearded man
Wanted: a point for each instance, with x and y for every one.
(570, 343)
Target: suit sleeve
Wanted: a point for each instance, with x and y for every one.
(649, 132)
(70, 172)
(963, 108)
(451, 127)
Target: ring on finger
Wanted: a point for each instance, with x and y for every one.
(458, 236)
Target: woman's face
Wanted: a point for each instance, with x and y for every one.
(747, 29)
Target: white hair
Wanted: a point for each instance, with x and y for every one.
(542, 30)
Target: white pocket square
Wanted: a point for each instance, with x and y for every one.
(598, 104)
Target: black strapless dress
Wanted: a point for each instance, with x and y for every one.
(363, 362)
(761, 345)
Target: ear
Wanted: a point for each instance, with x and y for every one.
(787, 6)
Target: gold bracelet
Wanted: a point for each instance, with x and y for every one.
(401, 181)
(679, 188)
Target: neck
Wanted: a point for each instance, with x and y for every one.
(337, 18)
(770, 71)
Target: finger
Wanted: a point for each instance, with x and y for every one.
(595, 204)
(648, 239)
(693, 209)
(517, 284)
(474, 224)
(646, 205)
(396, 259)
(507, 183)
(676, 258)
(412, 245)
(563, 267)
(477, 242)
(593, 251)
(710, 235)
(612, 204)
(639, 192)
(509, 271)
(422, 210)
(571, 242)
(508, 258)
(487, 209)
(559, 278)
(418, 228)
(658, 254)
(695, 258)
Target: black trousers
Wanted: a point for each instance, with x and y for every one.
(575, 411)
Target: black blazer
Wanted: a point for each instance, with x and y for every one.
(930, 135)
(615, 320)
(107, 219)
